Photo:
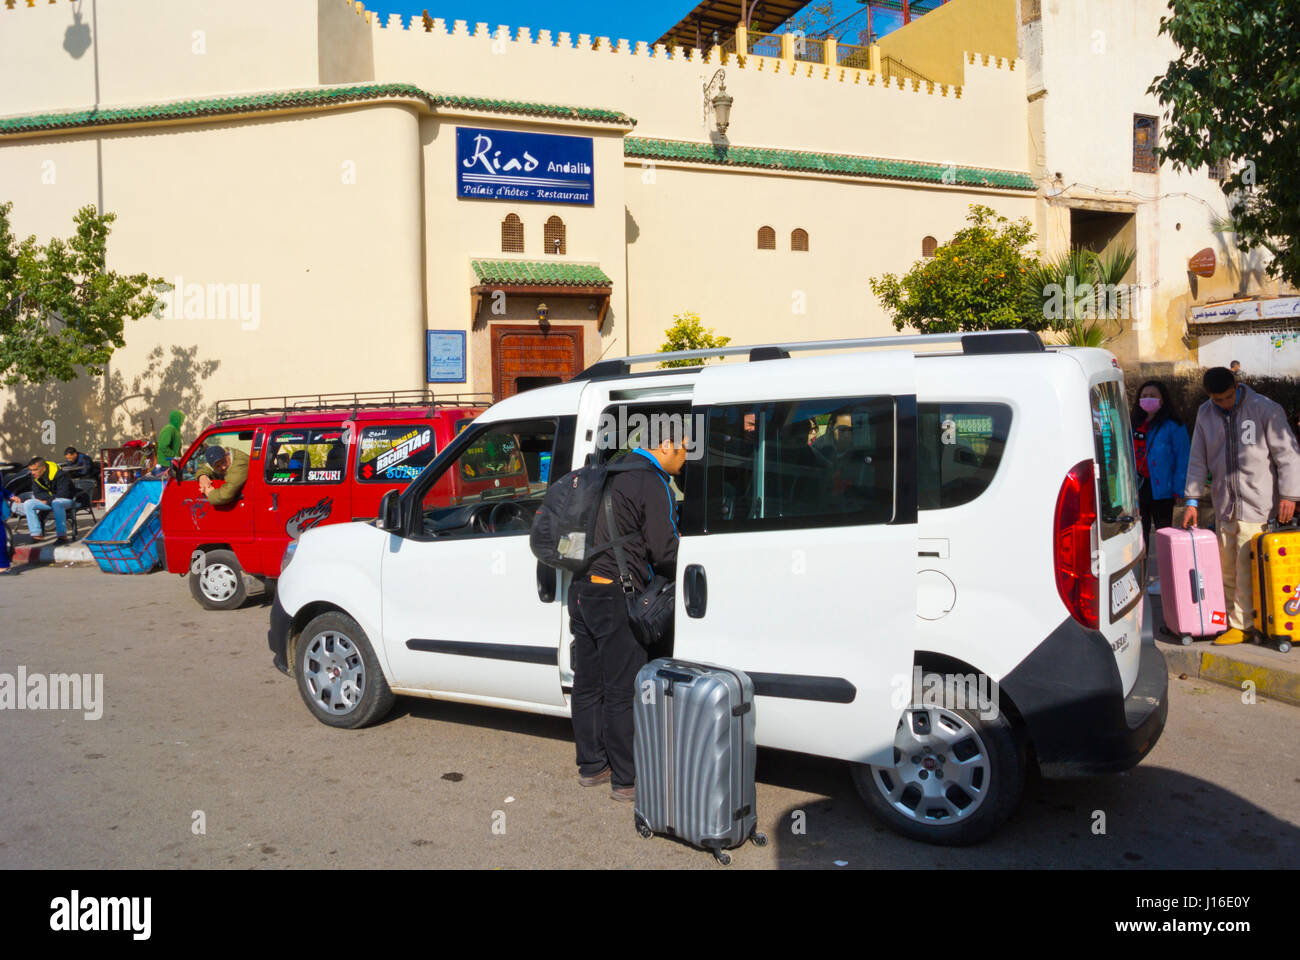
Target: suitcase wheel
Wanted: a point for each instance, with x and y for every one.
(758, 839)
(646, 832)
(1284, 646)
(723, 857)
(1187, 640)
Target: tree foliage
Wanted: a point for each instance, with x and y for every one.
(973, 282)
(60, 308)
(689, 333)
(1233, 96)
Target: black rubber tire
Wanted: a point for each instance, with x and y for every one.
(236, 599)
(376, 697)
(1009, 766)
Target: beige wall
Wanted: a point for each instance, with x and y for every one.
(333, 268)
(934, 44)
(692, 245)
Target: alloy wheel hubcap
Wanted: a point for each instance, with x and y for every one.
(941, 768)
(334, 672)
(218, 582)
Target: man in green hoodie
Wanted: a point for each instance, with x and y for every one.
(169, 439)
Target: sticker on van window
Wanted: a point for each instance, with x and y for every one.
(282, 476)
(325, 475)
(308, 517)
(413, 442)
(402, 473)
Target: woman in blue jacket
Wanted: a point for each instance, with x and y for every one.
(1160, 448)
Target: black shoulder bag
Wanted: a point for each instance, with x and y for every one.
(650, 612)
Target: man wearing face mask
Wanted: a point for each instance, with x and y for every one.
(1243, 441)
(1160, 451)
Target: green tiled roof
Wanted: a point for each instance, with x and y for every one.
(832, 163)
(289, 99)
(536, 273)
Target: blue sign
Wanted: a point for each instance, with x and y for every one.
(524, 167)
(445, 356)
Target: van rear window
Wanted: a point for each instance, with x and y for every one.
(961, 447)
(1117, 498)
(306, 455)
(394, 453)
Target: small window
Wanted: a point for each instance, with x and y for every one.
(1145, 130)
(766, 238)
(1219, 170)
(394, 453)
(1116, 475)
(928, 246)
(553, 236)
(306, 456)
(512, 234)
(799, 240)
(961, 447)
(805, 463)
(241, 441)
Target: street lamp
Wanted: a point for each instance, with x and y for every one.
(720, 100)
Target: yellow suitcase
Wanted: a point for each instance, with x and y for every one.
(1275, 585)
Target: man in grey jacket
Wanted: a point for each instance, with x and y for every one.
(1244, 442)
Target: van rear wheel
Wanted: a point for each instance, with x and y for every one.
(338, 674)
(955, 776)
(217, 581)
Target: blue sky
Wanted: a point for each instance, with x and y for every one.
(625, 21)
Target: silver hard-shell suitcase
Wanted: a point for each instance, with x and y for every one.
(695, 755)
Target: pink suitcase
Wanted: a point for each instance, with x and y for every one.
(1191, 582)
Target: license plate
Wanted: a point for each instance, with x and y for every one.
(1123, 591)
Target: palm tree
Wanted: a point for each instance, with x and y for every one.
(1079, 292)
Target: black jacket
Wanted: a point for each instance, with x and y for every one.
(83, 466)
(644, 506)
(47, 488)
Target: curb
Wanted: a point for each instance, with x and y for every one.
(1274, 682)
(42, 553)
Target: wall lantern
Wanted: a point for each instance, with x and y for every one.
(543, 311)
(720, 100)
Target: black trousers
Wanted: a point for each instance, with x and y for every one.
(1156, 514)
(606, 659)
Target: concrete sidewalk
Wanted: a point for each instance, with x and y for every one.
(1276, 675)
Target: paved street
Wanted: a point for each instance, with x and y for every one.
(197, 719)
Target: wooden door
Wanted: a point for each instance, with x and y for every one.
(524, 357)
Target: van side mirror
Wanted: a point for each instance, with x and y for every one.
(390, 512)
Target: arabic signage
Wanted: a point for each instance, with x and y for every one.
(1276, 308)
(445, 353)
(1203, 263)
(524, 167)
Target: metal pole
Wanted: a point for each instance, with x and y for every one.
(907, 13)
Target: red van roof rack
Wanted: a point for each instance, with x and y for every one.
(367, 400)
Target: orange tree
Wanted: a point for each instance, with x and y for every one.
(975, 281)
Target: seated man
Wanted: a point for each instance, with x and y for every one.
(851, 479)
(52, 490)
(78, 464)
(229, 466)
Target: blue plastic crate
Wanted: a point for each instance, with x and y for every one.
(128, 538)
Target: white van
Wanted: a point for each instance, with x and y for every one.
(924, 550)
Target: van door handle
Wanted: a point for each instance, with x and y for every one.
(275, 501)
(546, 577)
(695, 587)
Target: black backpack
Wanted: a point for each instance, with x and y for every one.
(564, 526)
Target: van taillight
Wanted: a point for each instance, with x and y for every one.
(1076, 514)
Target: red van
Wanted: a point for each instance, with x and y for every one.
(312, 461)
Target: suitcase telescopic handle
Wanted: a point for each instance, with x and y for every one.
(672, 676)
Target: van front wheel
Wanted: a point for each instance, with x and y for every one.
(217, 581)
(338, 674)
(956, 775)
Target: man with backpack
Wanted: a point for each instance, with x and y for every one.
(607, 654)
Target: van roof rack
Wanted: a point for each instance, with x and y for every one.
(980, 343)
(367, 400)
